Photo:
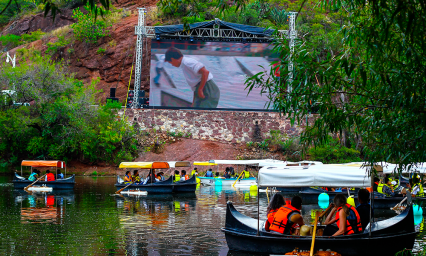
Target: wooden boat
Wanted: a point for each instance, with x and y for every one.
(241, 235)
(246, 234)
(159, 187)
(186, 185)
(20, 182)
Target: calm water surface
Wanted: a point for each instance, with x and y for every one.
(91, 220)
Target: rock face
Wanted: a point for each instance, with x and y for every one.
(36, 22)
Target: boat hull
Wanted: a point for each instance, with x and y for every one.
(186, 186)
(65, 184)
(348, 247)
(210, 181)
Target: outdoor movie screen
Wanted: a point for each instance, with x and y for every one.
(179, 68)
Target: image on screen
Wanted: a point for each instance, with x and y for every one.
(228, 64)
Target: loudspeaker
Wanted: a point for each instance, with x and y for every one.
(112, 92)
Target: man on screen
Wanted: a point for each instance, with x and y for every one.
(206, 92)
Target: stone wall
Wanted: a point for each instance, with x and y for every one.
(223, 126)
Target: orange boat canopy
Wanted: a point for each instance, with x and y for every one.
(42, 163)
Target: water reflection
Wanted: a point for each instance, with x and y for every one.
(92, 220)
(43, 207)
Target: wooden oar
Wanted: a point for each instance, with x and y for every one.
(315, 227)
(398, 204)
(313, 235)
(26, 188)
(233, 185)
(119, 191)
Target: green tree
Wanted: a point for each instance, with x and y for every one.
(88, 28)
(63, 121)
(373, 86)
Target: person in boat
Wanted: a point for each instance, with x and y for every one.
(217, 175)
(385, 188)
(417, 190)
(347, 219)
(184, 176)
(288, 219)
(364, 208)
(135, 177)
(34, 175)
(226, 174)
(176, 177)
(194, 172)
(209, 173)
(151, 177)
(160, 176)
(128, 178)
(246, 174)
(376, 184)
(59, 175)
(277, 201)
(49, 176)
(232, 172)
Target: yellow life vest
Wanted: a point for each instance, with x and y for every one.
(177, 177)
(193, 172)
(246, 174)
(380, 188)
(421, 192)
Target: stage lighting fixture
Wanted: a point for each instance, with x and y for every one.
(191, 39)
(158, 38)
(244, 41)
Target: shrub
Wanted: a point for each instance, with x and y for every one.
(101, 51)
(52, 48)
(89, 28)
(10, 40)
(94, 173)
(333, 152)
(250, 144)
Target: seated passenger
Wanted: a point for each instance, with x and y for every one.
(151, 177)
(160, 176)
(347, 219)
(194, 172)
(184, 176)
(209, 173)
(417, 190)
(277, 201)
(49, 176)
(288, 219)
(59, 175)
(385, 188)
(226, 174)
(376, 184)
(216, 175)
(135, 177)
(128, 178)
(364, 207)
(34, 175)
(246, 174)
(176, 177)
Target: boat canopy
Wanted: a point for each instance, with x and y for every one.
(248, 162)
(145, 165)
(43, 163)
(174, 164)
(313, 176)
(203, 163)
(417, 168)
(282, 164)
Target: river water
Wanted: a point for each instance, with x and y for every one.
(91, 220)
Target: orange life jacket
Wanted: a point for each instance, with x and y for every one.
(282, 222)
(353, 226)
(50, 177)
(271, 215)
(186, 177)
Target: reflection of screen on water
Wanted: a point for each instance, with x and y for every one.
(228, 63)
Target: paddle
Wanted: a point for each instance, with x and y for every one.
(237, 179)
(313, 235)
(26, 188)
(398, 204)
(119, 191)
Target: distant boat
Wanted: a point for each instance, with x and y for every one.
(20, 182)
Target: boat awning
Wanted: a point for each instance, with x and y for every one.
(282, 164)
(145, 165)
(204, 163)
(314, 175)
(417, 168)
(248, 162)
(174, 164)
(43, 163)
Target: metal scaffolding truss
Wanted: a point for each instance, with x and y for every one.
(215, 33)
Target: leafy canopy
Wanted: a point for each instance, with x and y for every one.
(372, 87)
(62, 121)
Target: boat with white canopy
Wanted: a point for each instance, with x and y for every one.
(247, 234)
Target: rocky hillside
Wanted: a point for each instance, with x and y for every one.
(112, 64)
